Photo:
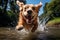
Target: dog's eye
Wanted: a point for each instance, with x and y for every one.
(25, 8)
(33, 8)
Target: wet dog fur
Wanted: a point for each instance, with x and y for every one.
(28, 16)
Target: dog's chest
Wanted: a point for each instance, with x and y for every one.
(28, 26)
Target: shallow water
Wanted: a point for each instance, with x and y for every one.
(12, 34)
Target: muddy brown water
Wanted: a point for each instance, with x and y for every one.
(9, 33)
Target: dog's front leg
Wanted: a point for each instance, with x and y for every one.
(20, 23)
(35, 27)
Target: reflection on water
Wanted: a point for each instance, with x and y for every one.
(12, 34)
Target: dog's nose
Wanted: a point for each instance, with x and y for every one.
(29, 11)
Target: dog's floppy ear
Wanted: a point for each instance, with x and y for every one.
(20, 4)
(39, 5)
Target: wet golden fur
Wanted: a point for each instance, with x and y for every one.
(23, 22)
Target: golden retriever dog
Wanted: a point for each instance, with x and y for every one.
(28, 16)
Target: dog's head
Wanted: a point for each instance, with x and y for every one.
(29, 11)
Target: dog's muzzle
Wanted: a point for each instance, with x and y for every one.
(29, 19)
(29, 12)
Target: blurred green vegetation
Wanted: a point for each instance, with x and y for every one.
(9, 12)
(51, 11)
(54, 21)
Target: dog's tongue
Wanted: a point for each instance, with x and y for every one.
(29, 19)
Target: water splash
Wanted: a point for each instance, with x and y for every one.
(41, 26)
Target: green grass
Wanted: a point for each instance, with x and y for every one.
(54, 21)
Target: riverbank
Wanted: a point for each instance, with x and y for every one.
(54, 23)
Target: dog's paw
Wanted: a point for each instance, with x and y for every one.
(19, 27)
